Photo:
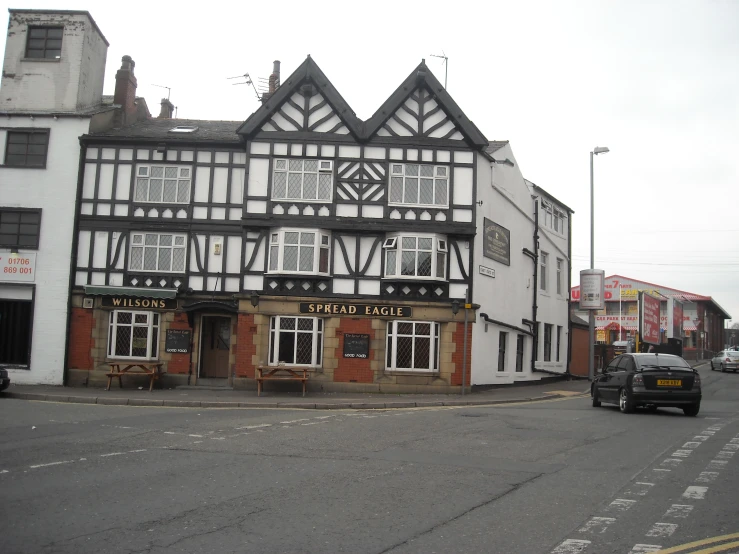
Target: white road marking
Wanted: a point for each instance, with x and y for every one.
(294, 421)
(730, 446)
(702, 438)
(645, 548)
(707, 476)
(682, 453)
(135, 451)
(724, 454)
(197, 442)
(659, 473)
(597, 524)
(734, 441)
(640, 489)
(112, 454)
(314, 423)
(715, 428)
(717, 464)
(620, 505)
(196, 436)
(52, 464)
(662, 530)
(170, 433)
(4, 471)
(679, 511)
(709, 432)
(691, 445)
(254, 426)
(83, 459)
(571, 546)
(218, 438)
(324, 417)
(697, 493)
(671, 462)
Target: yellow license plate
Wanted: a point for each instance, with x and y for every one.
(669, 382)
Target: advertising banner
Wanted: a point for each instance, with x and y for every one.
(649, 318)
(18, 267)
(675, 319)
(591, 289)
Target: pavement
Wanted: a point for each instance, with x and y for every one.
(193, 397)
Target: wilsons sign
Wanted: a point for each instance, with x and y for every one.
(370, 310)
(136, 302)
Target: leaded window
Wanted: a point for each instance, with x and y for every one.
(299, 251)
(416, 256)
(413, 346)
(133, 335)
(161, 252)
(44, 42)
(306, 180)
(419, 185)
(27, 148)
(296, 341)
(163, 184)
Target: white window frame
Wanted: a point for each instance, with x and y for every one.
(395, 247)
(152, 324)
(143, 241)
(405, 179)
(543, 275)
(553, 217)
(560, 274)
(316, 334)
(288, 169)
(434, 340)
(177, 176)
(321, 245)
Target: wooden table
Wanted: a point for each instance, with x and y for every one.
(280, 373)
(118, 369)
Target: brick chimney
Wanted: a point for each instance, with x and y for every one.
(125, 87)
(274, 81)
(167, 109)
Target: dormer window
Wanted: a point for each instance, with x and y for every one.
(44, 43)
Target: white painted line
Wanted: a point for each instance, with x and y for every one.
(571, 546)
(324, 417)
(135, 451)
(217, 438)
(671, 462)
(691, 445)
(82, 459)
(620, 505)
(314, 423)
(707, 476)
(294, 421)
(708, 432)
(254, 426)
(112, 454)
(682, 453)
(52, 464)
(196, 436)
(716, 418)
(197, 442)
(597, 524)
(715, 428)
(662, 530)
(730, 446)
(679, 510)
(659, 473)
(734, 441)
(170, 433)
(369, 416)
(4, 471)
(717, 464)
(724, 454)
(702, 438)
(645, 548)
(697, 493)
(640, 489)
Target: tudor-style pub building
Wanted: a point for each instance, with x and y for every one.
(307, 237)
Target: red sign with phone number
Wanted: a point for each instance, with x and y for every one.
(18, 267)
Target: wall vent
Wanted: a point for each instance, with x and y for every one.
(87, 303)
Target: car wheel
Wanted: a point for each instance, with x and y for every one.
(712, 368)
(625, 402)
(596, 401)
(723, 369)
(692, 410)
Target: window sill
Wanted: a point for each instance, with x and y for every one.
(425, 206)
(411, 372)
(309, 201)
(10, 166)
(43, 60)
(15, 366)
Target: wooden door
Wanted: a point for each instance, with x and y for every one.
(215, 346)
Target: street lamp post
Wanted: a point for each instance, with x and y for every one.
(591, 327)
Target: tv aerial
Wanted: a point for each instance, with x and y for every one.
(169, 90)
(247, 81)
(445, 62)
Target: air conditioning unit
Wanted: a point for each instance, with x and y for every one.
(87, 303)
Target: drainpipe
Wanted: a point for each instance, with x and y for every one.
(534, 307)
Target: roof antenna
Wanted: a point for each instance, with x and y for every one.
(247, 81)
(169, 89)
(445, 62)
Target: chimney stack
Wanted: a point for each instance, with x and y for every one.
(125, 87)
(167, 109)
(274, 81)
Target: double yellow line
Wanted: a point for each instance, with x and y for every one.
(704, 542)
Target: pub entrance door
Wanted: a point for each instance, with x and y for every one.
(215, 347)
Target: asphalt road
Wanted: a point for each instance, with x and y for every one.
(549, 477)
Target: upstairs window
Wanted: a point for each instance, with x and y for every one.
(44, 42)
(553, 217)
(162, 184)
(160, 252)
(27, 148)
(19, 228)
(419, 185)
(543, 274)
(306, 180)
(560, 274)
(415, 256)
(299, 251)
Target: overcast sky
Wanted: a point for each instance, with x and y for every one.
(657, 82)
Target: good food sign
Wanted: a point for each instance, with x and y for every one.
(649, 318)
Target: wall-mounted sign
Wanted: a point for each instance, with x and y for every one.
(356, 346)
(139, 302)
(487, 271)
(591, 289)
(371, 310)
(496, 242)
(18, 267)
(649, 318)
(177, 341)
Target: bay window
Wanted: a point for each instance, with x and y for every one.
(413, 346)
(415, 256)
(299, 251)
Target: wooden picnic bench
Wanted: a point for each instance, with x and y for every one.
(280, 373)
(119, 369)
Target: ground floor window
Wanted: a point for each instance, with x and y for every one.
(133, 335)
(502, 339)
(559, 340)
(413, 346)
(547, 342)
(519, 353)
(15, 331)
(296, 340)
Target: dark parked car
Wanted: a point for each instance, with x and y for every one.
(649, 380)
(4, 379)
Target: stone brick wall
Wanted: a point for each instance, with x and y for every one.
(458, 355)
(245, 348)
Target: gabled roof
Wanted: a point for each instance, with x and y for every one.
(307, 72)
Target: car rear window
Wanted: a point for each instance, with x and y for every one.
(664, 361)
(732, 354)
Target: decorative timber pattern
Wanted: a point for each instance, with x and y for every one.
(361, 181)
(420, 116)
(306, 111)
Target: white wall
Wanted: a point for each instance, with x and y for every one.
(53, 190)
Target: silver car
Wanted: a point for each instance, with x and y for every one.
(725, 360)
